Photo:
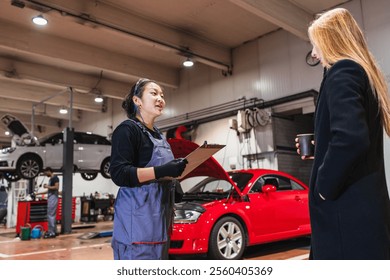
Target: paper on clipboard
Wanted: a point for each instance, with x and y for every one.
(200, 155)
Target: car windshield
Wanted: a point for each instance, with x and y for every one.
(211, 185)
(53, 138)
(215, 185)
(208, 189)
(241, 179)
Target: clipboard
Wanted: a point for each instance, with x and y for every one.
(200, 155)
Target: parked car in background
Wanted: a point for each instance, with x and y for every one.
(29, 156)
(226, 212)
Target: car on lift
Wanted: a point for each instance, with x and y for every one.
(225, 212)
(28, 156)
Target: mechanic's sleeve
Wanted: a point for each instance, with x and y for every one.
(346, 85)
(122, 169)
(55, 183)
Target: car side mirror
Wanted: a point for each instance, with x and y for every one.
(268, 188)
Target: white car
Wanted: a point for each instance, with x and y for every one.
(29, 156)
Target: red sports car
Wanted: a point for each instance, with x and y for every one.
(227, 211)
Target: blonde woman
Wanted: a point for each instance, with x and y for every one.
(349, 200)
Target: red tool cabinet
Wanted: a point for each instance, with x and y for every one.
(59, 209)
(32, 213)
(35, 213)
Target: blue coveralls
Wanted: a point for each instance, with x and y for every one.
(143, 214)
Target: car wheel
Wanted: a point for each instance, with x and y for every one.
(89, 176)
(11, 176)
(105, 168)
(227, 240)
(29, 167)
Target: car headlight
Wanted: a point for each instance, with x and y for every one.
(8, 150)
(186, 216)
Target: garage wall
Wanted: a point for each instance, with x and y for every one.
(285, 130)
(269, 68)
(238, 147)
(376, 16)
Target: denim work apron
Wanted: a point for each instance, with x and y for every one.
(143, 214)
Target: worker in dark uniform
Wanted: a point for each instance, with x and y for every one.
(52, 201)
(142, 164)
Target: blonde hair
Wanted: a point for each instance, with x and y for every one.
(337, 36)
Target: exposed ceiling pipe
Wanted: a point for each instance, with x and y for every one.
(228, 109)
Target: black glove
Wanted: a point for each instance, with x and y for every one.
(174, 168)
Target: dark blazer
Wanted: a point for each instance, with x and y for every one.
(353, 222)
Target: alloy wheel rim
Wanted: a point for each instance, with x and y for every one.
(29, 168)
(106, 169)
(229, 240)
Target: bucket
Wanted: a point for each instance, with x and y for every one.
(25, 232)
(36, 232)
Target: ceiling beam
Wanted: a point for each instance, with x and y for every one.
(77, 55)
(25, 108)
(281, 13)
(42, 120)
(54, 76)
(35, 93)
(142, 30)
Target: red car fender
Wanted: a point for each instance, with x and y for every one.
(223, 209)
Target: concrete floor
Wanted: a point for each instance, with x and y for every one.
(74, 247)
(63, 247)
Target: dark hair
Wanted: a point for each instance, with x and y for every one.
(136, 90)
(48, 169)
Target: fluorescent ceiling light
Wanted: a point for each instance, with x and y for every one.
(63, 111)
(188, 63)
(39, 20)
(98, 99)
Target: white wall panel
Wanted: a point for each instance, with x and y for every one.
(237, 146)
(283, 70)
(376, 18)
(218, 132)
(221, 88)
(246, 71)
(378, 30)
(199, 94)
(200, 87)
(303, 77)
(275, 74)
(269, 68)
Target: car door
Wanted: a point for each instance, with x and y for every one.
(53, 151)
(279, 211)
(90, 151)
(80, 155)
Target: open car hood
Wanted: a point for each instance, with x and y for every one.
(18, 129)
(14, 125)
(211, 167)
